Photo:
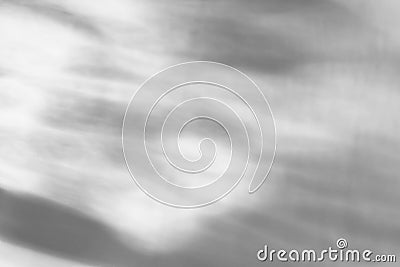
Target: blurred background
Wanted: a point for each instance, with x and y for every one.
(68, 69)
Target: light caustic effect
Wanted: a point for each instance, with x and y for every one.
(194, 130)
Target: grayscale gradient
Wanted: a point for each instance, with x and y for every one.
(68, 69)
